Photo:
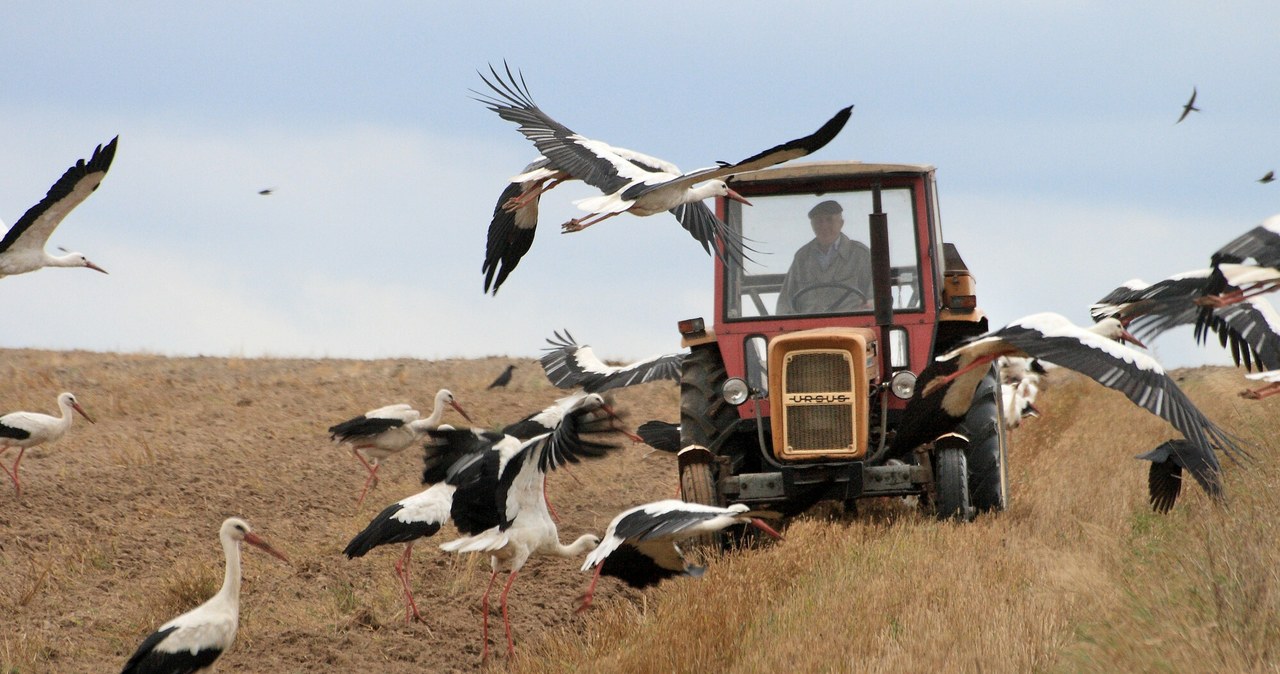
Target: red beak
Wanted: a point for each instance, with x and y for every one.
(94, 267)
(78, 408)
(1126, 337)
(256, 541)
(458, 407)
(759, 524)
(737, 197)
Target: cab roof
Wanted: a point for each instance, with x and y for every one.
(822, 169)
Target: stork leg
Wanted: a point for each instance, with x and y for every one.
(524, 198)
(1262, 392)
(591, 589)
(402, 571)
(373, 476)
(579, 224)
(484, 610)
(555, 516)
(938, 383)
(506, 623)
(17, 484)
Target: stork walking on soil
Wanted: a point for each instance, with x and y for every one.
(28, 429)
(389, 430)
(194, 640)
(22, 248)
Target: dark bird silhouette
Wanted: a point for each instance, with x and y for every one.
(1270, 176)
(267, 191)
(1189, 108)
(503, 379)
(1164, 481)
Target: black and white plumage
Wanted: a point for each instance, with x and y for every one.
(503, 379)
(1093, 352)
(389, 430)
(1249, 329)
(22, 248)
(1188, 107)
(571, 365)
(194, 640)
(660, 435)
(28, 429)
(526, 526)
(628, 184)
(640, 548)
(515, 216)
(1164, 480)
(1272, 377)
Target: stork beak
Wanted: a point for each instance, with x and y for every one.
(94, 267)
(461, 411)
(618, 425)
(78, 408)
(759, 524)
(257, 542)
(1125, 336)
(737, 197)
(1031, 411)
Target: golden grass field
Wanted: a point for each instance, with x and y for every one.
(116, 533)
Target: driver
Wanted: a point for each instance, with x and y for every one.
(832, 261)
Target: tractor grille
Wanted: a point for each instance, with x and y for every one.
(818, 401)
(813, 372)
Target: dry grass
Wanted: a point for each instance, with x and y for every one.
(1077, 576)
(116, 532)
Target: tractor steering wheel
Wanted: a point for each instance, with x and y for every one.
(849, 290)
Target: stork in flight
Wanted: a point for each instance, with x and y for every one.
(630, 182)
(572, 365)
(949, 384)
(22, 248)
(28, 429)
(194, 640)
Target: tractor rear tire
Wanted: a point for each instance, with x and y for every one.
(951, 482)
(704, 414)
(988, 446)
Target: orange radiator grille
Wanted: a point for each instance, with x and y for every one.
(819, 427)
(812, 372)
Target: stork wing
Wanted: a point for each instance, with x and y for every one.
(569, 365)
(33, 229)
(405, 521)
(660, 435)
(362, 427)
(1138, 376)
(1136, 298)
(510, 231)
(778, 154)
(597, 164)
(1262, 244)
(1164, 480)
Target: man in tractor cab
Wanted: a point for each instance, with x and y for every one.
(831, 273)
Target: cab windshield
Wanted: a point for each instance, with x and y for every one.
(810, 255)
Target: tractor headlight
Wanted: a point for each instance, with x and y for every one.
(903, 384)
(735, 391)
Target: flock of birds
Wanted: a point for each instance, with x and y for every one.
(492, 484)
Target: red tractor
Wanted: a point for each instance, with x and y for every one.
(797, 390)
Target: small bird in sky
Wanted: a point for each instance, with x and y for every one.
(503, 379)
(267, 191)
(1190, 107)
(1269, 177)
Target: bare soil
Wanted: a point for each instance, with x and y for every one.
(116, 529)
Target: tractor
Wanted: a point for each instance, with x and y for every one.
(782, 410)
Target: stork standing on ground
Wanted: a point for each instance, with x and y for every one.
(526, 527)
(628, 185)
(28, 429)
(948, 385)
(463, 467)
(194, 640)
(389, 430)
(22, 248)
(640, 545)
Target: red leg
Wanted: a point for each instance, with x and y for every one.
(484, 610)
(591, 589)
(402, 570)
(17, 484)
(577, 224)
(1262, 392)
(555, 516)
(373, 477)
(943, 381)
(511, 647)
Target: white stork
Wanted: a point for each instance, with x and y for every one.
(1094, 352)
(389, 430)
(569, 365)
(526, 527)
(194, 640)
(515, 217)
(640, 545)
(628, 184)
(28, 429)
(1249, 327)
(463, 467)
(22, 248)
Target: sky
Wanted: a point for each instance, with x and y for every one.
(1061, 172)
